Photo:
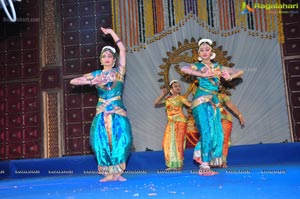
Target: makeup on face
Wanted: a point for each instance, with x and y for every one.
(205, 51)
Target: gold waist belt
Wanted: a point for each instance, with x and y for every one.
(107, 101)
(209, 91)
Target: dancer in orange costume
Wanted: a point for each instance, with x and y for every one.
(226, 118)
(174, 137)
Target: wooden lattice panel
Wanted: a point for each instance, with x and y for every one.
(52, 119)
(81, 45)
(20, 128)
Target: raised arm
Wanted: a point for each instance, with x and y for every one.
(122, 49)
(159, 99)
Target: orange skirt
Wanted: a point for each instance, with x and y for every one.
(174, 144)
(227, 128)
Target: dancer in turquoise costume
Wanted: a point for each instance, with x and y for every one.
(205, 106)
(110, 133)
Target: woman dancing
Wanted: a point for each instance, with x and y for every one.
(205, 106)
(175, 133)
(110, 133)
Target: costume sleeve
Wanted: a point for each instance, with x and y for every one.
(194, 67)
(121, 70)
(183, 99)
(90, 76)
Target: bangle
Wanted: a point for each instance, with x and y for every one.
(118, 41)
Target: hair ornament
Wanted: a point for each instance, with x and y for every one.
(173, 81)
(201, 41)
(110, 48)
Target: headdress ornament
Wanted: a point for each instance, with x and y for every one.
(110, 48)
(173, 81)
(201, 41)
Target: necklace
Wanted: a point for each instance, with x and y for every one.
(107, 76)
(210, 66)
(106, 72)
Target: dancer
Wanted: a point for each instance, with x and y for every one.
(226, 118)
(205, 106)
(110, 133)
(175, 132)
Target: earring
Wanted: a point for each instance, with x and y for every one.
(213, 56)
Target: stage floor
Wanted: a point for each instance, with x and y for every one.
(236, 182)
(277, 177)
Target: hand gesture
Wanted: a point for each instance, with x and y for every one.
(217, 73)
(242, 121)
(164, 91)
(106, 30)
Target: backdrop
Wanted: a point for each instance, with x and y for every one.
(261, 96)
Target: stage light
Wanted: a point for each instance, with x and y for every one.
(5, 4)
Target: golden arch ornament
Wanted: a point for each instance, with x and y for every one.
(187, 52)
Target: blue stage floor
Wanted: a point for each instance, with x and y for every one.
(251, 182)
(255, 179)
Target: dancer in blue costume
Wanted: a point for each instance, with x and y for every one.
(205, 106)
(110, 133)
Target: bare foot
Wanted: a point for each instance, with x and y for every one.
(174, 169)
(119, 178)
(224, 165)
(107, 178)
(207, 172)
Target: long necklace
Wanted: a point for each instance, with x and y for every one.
(107, 76)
